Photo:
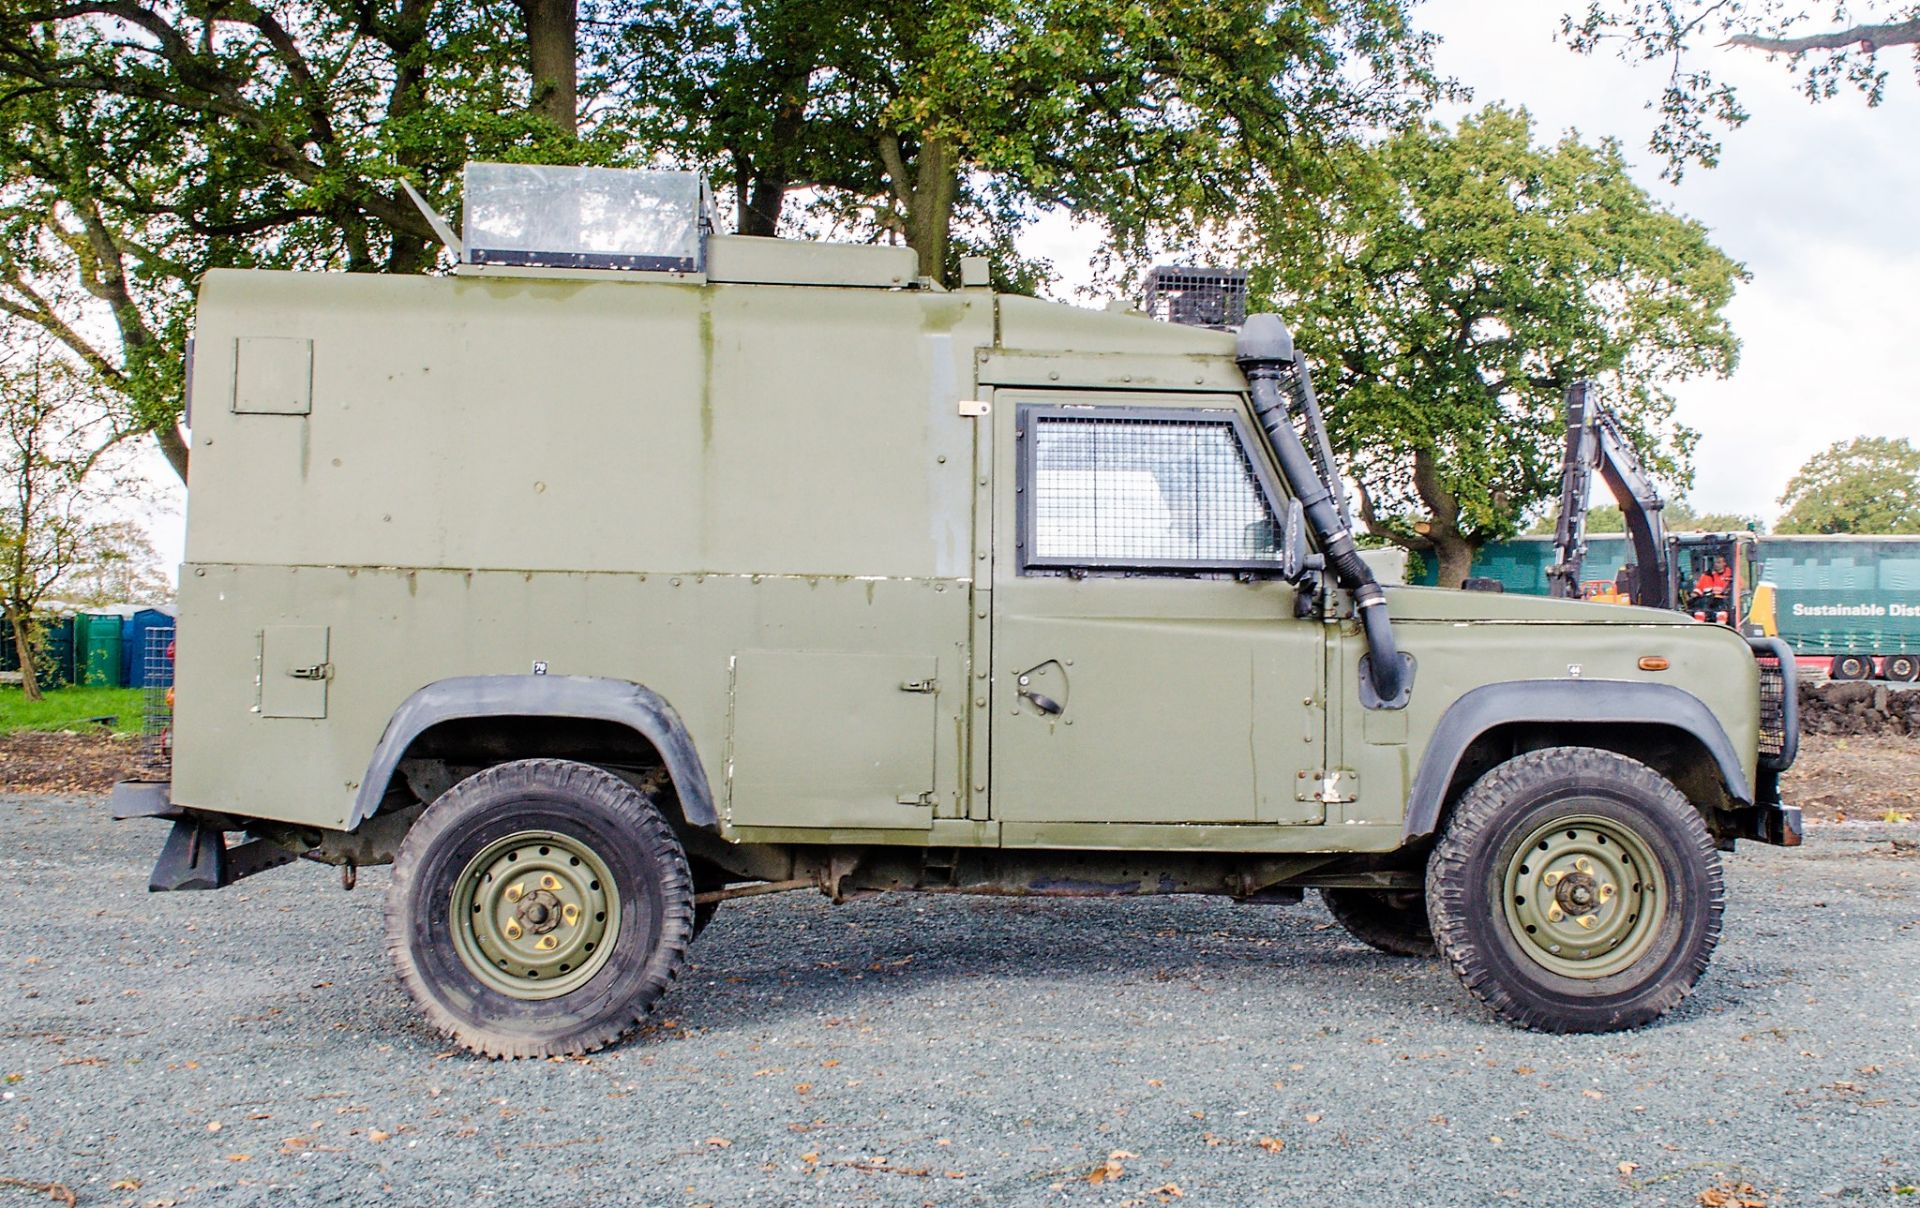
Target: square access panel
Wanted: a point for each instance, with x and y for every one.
(272, 375)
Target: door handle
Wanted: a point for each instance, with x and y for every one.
(1046, 704)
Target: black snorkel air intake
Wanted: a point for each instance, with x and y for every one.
(1278, 384)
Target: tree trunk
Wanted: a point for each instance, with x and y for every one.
(761, 202)
(926, 196)
(173, 445)
(1454, 553)
(552, 61)
(23, 646)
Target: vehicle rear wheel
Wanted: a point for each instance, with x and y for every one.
(1850, 667)
(1575, 890)
(539, 908)
(1903, 668)
(1394, 921)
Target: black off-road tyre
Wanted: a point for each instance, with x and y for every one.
(512, 808)
(1903, 668)
(1558, 803)
(1394, 921)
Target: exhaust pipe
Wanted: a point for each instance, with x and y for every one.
(1277, 381)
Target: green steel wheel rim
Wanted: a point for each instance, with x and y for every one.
(534, 915)
(1585, 896)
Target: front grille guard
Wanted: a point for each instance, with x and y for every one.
(1779, 704)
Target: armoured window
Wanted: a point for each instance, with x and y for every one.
(1134, 488)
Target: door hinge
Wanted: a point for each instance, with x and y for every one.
(318, 671)
(923, 685)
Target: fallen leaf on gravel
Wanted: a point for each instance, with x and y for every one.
(1314, 1118)
(1592, 1094)
(239, 1157)
(1155, 1083)
(1272, 1144)
(829, 1063)
(1198, 1115)
(801, 1088)
(1106, 1172)
(1728, 1194)
(1523, 1070)
(1169, 1191)
(213, 1126)
(377, 1135)
(810, 1157)
(720, 1142)
(956, 1174)
(1628, 1167)
(124, 1185)
(1213, 1140)
(1497, 1140)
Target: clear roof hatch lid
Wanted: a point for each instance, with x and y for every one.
(546, 216)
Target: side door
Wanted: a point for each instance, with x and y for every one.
(1147, 663)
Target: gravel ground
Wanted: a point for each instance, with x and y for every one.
(251, 1047)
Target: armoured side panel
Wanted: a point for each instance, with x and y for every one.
(393, 631)
(607, 478)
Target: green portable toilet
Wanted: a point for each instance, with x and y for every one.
(55, 665)
(96, 650)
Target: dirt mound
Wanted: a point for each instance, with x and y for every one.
(65, 762)
(1858, 708)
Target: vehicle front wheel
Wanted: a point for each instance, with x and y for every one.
(539, 908)
(1575, 890)
(1394, 921)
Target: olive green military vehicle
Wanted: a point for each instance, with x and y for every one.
(633, 567)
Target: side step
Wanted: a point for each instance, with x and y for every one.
(195, 855)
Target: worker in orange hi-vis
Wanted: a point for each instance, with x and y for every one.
(1717, 580)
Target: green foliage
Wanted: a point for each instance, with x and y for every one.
(1678, 515)
(1157, 120)
(1828, 50)
(1870, 484)
(142, 145)
(1456, 286)
(70, 708)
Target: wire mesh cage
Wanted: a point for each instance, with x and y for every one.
(1165, 491)
(156, 728)
(1197, 297)
(1773, 706)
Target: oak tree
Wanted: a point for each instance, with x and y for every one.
(1450, 293)
(1870, 484)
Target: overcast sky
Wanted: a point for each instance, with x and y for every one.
(1818, 201)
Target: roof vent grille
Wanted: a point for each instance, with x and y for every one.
(1197, 297)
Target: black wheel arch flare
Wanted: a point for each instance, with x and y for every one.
(582, 697)
(1569, 702)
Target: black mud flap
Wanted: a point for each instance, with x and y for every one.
(1777, 824)
(195, 857)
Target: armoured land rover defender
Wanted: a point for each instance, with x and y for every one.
(633, 567)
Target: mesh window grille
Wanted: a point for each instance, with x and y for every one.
(1145, 492)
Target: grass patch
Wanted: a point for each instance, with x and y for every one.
(70, 709)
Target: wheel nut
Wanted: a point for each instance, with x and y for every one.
(549, 882)
(570, 914)
(1588, 921)
(1554, 913)
(512, 929)
(547, 943)
(515, 892)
